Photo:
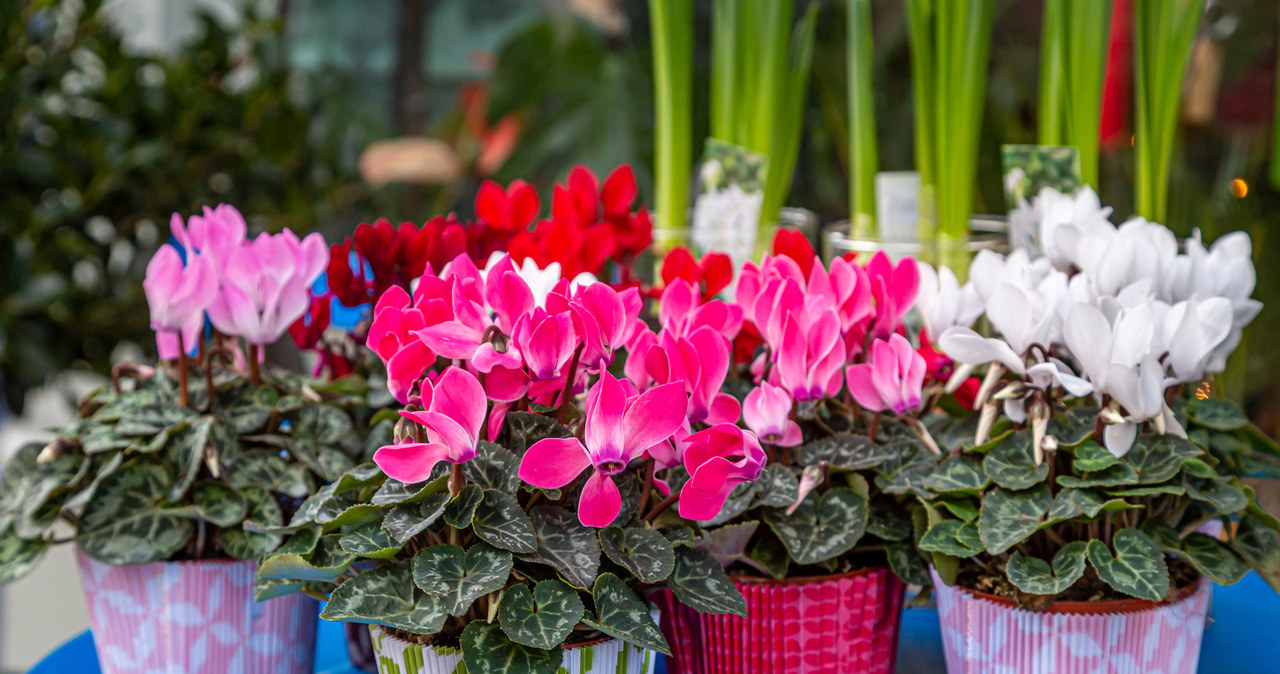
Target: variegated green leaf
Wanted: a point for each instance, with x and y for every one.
(700, 583)
(386, 595)
(779, 487)
(1213, 558)
(1259, 545)
(888, 519)
(1117, 475)
(1008, 517)
(395, 492)
(370, 540)
(266, 468)
(18, 556)
(620, 614)
(218, 503)
(907, 562)
(406, 520)
(906, 470)
(262, 510)
(564, 544)
(1157, 458)
(1089, 457)
(187, 452)
(1217, 414)
(500, 522)
(325, 424)
(487, 650)
(125, 521)
(1012, 464)
(543, 618)
(1137, 568)
(1222, 493)
(1035, 576)
(325, 564)
(460, 577)
(954, 538)
(494, 468)
(647, 554)
(822, 528)
(959, 473)
(150, 420)
(844, 451)
(462, 508)
(521, 429)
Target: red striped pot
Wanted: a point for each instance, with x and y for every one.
(816, 625)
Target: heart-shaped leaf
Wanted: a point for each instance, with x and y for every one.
(1217, 414)
(460, 577)
(907, 562)
(1012, 464)
(820, 529)
(500, 522)
(18, 556)
(543, 618)
(1137, 568)
(1090, 457)
(406, 520)
(1072, 503)
(521, 429)
(251, 410)
(267, 469)
(647, 554)
(566, 545)
(953, 537)
(1035, 576)
(1213, 558)
(844, 451)
(370, 540)
(386, 595)
(218, 503)
(888, 519)
(620, 614)
(906, 470)
(779, 487)
(678, 535)
(325, 424)
(262, 510)
(1221, 493)
(395, 492)
(1008, 517)
(462, 507)
(959, 473)
(1118, 475)
(486, 650)
(700, 583)
(324, 564)
(728, 544)
(1157, 458)
(1259, 545)
(149, 420)
(494, 468)
(963, 507)
(125, 522)
(1075, 427)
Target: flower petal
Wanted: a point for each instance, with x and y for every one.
(411, 462)
(601, 502)
(552, 463)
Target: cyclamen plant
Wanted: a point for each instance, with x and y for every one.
(1099, 464)
(512, 513)
(199, 457)
(828, 387)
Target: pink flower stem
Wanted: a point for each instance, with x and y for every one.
(182, 371)
(562, 413)
(456, 481)
(663, 505)
(786, 456)
(647, 489)
(875, 427)
(255, 374)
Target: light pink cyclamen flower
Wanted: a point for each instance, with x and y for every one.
(767, 411)
(215, 233)
(178, 296)
(265, 285)
(809, 361)
(701, 361)
(892, 378)
(454, 414)
(894, 288)
(718, 459)
(619, 427)
(681, 311)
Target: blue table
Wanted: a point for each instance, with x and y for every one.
(1241, 639)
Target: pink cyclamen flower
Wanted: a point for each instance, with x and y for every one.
(454, 414)
(718, 459)
(178, 296)
(810, 358)
(701, 361)
(265, 285)
(215, 233)
(619, 427)
(894, 288)
(891, 379)
(767, 411)
(393, 336)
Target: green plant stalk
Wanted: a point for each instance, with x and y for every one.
(724, 62)
(920, 24)
(863, 158)
(790, 126)
(1089, 38)
(1164, 31)
(672, 35)
(963, 49)
(1049, 123)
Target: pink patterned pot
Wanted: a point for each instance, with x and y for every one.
(818, 625)
(983, 634)
(194, 618)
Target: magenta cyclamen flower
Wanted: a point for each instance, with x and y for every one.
(264, 285)
(718, 459)
(767, 411)
(810, 357)
(891, 379)
(620, 426)
(178, 296)
(701, 361)
(454, 414)
(393, 336)
(894, 288)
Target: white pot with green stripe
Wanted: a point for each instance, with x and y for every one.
(611, 656)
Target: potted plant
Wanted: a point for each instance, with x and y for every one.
(171, 479)
(508, 526)
(1083, 513)
(821, 544)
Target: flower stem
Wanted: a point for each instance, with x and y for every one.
(648, 486)
(182, 372)
(456, 481)
(875, 427)
(562, 405)
(662, 506)
(251, 354)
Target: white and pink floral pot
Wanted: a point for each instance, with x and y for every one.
(194, 618)
(982, 634)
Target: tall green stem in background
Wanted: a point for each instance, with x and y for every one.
(672, 35)
(863, 161)
(1072, 68)
(759, 82)
(920, 23)
(955, 38)
(1163, 31)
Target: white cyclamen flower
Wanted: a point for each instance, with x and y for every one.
(943, 303)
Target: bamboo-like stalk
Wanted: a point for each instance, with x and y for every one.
(923, 76)
(1049, 123)
(863, 159)
(784, 138)
(672, 38)
(1162, 36)
(1072, 68)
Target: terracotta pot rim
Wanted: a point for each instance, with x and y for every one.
(1103, 607)
(806, 580)
(564, 647)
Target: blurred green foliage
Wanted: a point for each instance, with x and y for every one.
(99, 146)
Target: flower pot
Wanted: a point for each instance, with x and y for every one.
(195, 618)
(984, 633)
(818, 625)
(607, 656)
(360, 647)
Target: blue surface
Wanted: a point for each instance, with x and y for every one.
(1241, 638)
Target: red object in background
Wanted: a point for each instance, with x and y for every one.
(511, 209)
(1117, 87)
(938, 368)
(795, 245)
(712, 273)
